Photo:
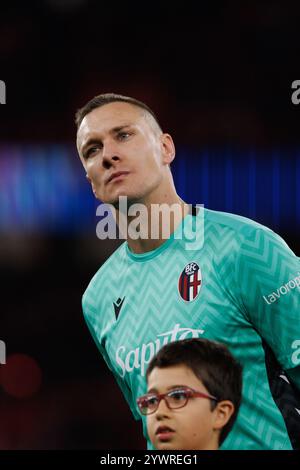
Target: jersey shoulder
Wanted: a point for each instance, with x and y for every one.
(239, 237)
(236, 223)
(233, 235)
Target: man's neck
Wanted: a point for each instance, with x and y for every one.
(150, 228)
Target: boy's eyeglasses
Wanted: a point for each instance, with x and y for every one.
(176, 398)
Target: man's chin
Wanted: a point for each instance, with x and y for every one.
(129, 201)
(113, 201)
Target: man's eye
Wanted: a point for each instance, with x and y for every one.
(123, 135)
(91, 151)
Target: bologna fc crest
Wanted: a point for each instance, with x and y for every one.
(190, 281)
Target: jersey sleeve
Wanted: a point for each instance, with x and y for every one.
(90, 321)
(268, 275)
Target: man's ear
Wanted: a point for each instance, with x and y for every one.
(223, 412)
(168, 148)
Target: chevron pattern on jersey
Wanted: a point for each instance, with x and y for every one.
(240, 261)
(265, 265)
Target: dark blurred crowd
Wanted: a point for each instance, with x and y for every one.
(215, 73)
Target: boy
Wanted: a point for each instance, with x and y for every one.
(179, 374)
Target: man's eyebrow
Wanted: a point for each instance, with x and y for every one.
(95, 140)
(117, 129)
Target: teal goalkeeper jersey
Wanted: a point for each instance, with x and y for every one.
(222, 277)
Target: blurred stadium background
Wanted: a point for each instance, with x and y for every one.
(220, 80)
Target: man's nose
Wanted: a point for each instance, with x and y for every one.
(110, 154)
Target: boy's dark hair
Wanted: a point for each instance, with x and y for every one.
(212, 363)
(106, 98)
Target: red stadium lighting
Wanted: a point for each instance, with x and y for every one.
(21, 376)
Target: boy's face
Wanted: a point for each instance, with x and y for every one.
(192, 427)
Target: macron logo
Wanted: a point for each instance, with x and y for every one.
(118, 306)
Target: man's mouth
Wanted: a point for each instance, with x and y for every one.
(117, 175)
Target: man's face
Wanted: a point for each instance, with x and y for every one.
(190, 427)
(122, 151)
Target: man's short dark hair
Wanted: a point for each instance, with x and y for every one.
(106, 98)
(212, 363)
